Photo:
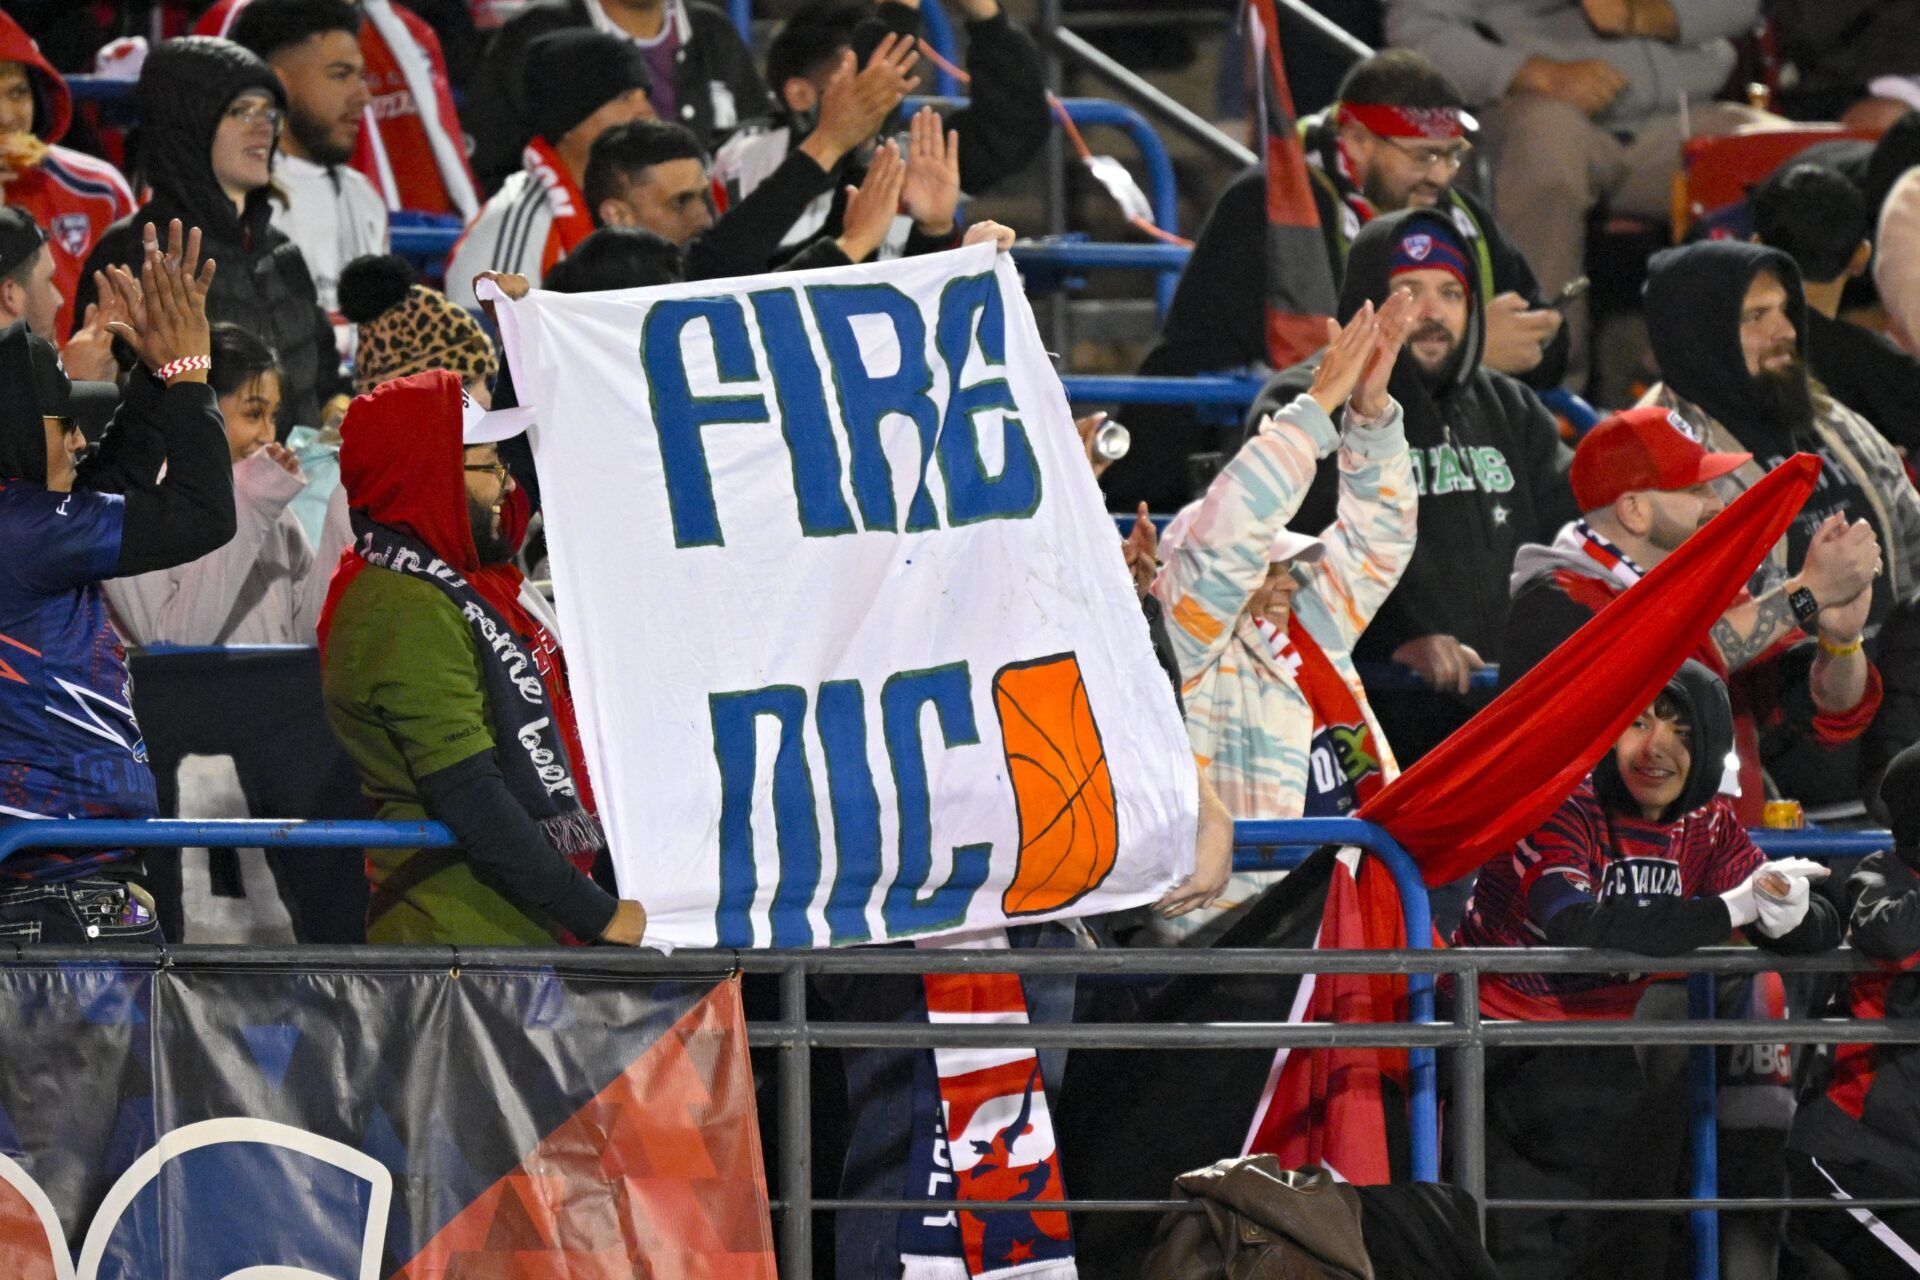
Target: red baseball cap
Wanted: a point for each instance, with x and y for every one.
(1646, 448)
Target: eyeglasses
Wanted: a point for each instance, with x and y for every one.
(498, 470)
(1426, 156)
(250, 116)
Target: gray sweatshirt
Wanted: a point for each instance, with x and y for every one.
(264, 587)
(1481, 44)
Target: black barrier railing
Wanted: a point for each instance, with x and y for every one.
(793, 1035)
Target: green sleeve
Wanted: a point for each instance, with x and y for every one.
(427, 687)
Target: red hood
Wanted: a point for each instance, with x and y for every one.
(400, 460)
(53, 104)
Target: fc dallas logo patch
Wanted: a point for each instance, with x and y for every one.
(1418, 247)
(73, 232)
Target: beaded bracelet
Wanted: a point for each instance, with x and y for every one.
(185, 364)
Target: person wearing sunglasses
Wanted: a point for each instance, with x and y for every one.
(211, 116)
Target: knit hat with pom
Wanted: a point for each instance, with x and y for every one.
(407, 328)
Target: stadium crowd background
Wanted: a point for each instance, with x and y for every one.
(1532, 218)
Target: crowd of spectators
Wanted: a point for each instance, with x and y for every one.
(229, 416)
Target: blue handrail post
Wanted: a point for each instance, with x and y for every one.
(939, 34)
(1423, 1106)
(1702, 1119)
(741, 11)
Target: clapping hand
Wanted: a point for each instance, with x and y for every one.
(166, 309)
(931, 191)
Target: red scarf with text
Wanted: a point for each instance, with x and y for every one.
(572, 221)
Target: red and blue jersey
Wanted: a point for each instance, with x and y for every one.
(1585, 852)
(69, 745)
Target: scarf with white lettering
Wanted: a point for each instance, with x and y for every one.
(531, 748)
(571, 220)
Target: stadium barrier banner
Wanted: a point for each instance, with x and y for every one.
(856, 654)
(361, 1124)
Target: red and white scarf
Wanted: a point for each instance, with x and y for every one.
(998, 1133)
(572, 220)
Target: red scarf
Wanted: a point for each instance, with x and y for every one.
(1330, 696)
(572, 220)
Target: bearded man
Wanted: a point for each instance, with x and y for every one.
(1728, 322)
(1488, 465)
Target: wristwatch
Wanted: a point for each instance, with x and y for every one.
(1805, 608)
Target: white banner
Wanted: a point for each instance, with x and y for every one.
(855, 652)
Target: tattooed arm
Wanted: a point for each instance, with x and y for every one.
(1841, 562)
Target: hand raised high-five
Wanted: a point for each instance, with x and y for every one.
(872, 206)
(166, 308)
(1369, 400)
(855, 103)
(931, 193)
(1349, 348)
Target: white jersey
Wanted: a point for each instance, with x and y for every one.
(333, 215)
(511, 235)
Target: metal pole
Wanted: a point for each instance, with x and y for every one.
(1054, 194)
(796, 1125)
(1131, 85)
(1469, 1096)
(1325, 28)
(1702, 1084)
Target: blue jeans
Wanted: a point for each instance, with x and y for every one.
(893, 1095)
(88, 909)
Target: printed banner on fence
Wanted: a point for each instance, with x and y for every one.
(855, 651)
(360, 1125)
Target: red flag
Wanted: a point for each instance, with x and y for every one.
(1300, 287)
(1495, 780)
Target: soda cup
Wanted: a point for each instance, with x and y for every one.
(1783, 815)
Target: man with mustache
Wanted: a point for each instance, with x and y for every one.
(1488, 466)
(1395, 138)
(1727, 322)
(1645, 486)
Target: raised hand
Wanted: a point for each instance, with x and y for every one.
(88, 354)
(855, 103)
(1842, 560)
(1142, 552)
(872, 206)
(1370, 399)
(931, 192)
(1345, 357)
(170, 301)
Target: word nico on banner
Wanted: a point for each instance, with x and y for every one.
(856, 653)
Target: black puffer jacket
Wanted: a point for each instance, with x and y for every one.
(1488, 461)
(261, 282)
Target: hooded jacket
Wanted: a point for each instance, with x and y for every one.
(1600, 874)
(406, 696)
(1250, 724)
(1489, 467)
(262, 283)
(73, 196)
(1693, 300)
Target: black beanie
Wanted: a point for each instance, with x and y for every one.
(1900, 797)
(573, 73)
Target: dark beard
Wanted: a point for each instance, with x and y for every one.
(1786, 398)
(1441, 375)
(314, 140)
(491, 547)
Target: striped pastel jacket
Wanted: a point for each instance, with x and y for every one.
(1250, 725)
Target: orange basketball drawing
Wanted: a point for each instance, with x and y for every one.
(1063, 792)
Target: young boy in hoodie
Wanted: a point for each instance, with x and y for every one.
(73, 197)
(1645, 856)
(69, 744)
(1860, 1138)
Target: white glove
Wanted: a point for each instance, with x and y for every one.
(1742, 902)
(1781, 916)
(1801, 868)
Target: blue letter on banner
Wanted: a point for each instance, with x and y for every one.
(841, 714)
(947, 690)
(971, 494)
(795, 824)
(679, 415)
(803, 415)
(865, 399)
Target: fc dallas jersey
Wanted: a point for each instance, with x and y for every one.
(74, 198)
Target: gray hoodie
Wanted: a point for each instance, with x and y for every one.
(1481, 44)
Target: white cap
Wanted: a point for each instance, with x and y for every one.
(478, 426)
(1290, 546)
